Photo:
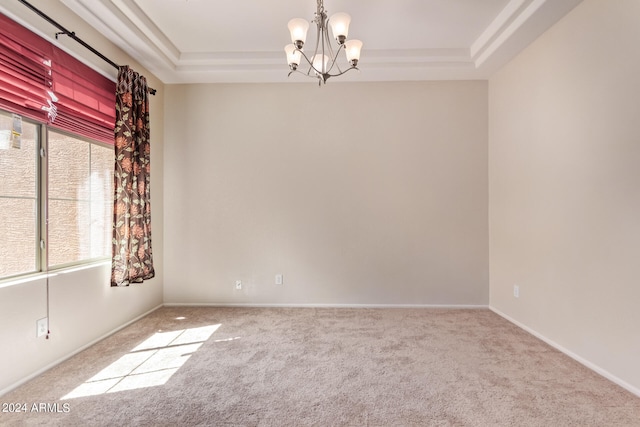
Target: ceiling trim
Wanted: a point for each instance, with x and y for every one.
(129, 27)
(516, 13)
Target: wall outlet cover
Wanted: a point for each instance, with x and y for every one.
(42, 326)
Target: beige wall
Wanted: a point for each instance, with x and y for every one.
(356, 193)
(83, 306)
(564, 186)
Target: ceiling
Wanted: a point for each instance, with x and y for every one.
(208, 41)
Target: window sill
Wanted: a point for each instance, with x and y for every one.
(52, 273)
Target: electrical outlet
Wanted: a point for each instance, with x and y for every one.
(278, 279)
(42, 326)
(516, 291)
(238, 284)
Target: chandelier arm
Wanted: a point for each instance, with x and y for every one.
(319, 76)
(311, 67)
(333, 57)
(320, 25)
(319, 15)
(306, 58)
(343, 72)
(324, 77)
(316, 73)
(305, 74)
(323, 36)
(334, 62)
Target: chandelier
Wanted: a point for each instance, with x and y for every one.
(324, 61)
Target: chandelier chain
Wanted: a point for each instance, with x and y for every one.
(321, 14)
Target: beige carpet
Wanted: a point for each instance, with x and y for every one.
(206, 366)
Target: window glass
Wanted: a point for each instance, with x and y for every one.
(102, 166)
(18, 199)
(80, 199)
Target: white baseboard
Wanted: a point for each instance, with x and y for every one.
(73, 353)
(294, 305)
(571, 354)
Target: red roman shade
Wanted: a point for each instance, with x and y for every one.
(25, 71)
(86, 99)
(36, 74)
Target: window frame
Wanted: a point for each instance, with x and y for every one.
(40, 203)
(41, 242)
(45, 167)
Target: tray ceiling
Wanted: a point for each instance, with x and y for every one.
(204, 41)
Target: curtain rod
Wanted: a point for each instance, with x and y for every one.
(72, 34)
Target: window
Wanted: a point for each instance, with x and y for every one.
(72, 186)
(19, 206)
(55, 210)
(80, 180)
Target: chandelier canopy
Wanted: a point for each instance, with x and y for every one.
(324, 61)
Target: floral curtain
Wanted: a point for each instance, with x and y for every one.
(132, 257)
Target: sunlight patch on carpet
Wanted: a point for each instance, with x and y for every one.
(149, 364)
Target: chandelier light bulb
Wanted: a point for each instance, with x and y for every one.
(298, 28)
(352, 49)
(339, 23)
(319, 62)
(293, 56)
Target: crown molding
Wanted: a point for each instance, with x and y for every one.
(130, 28)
